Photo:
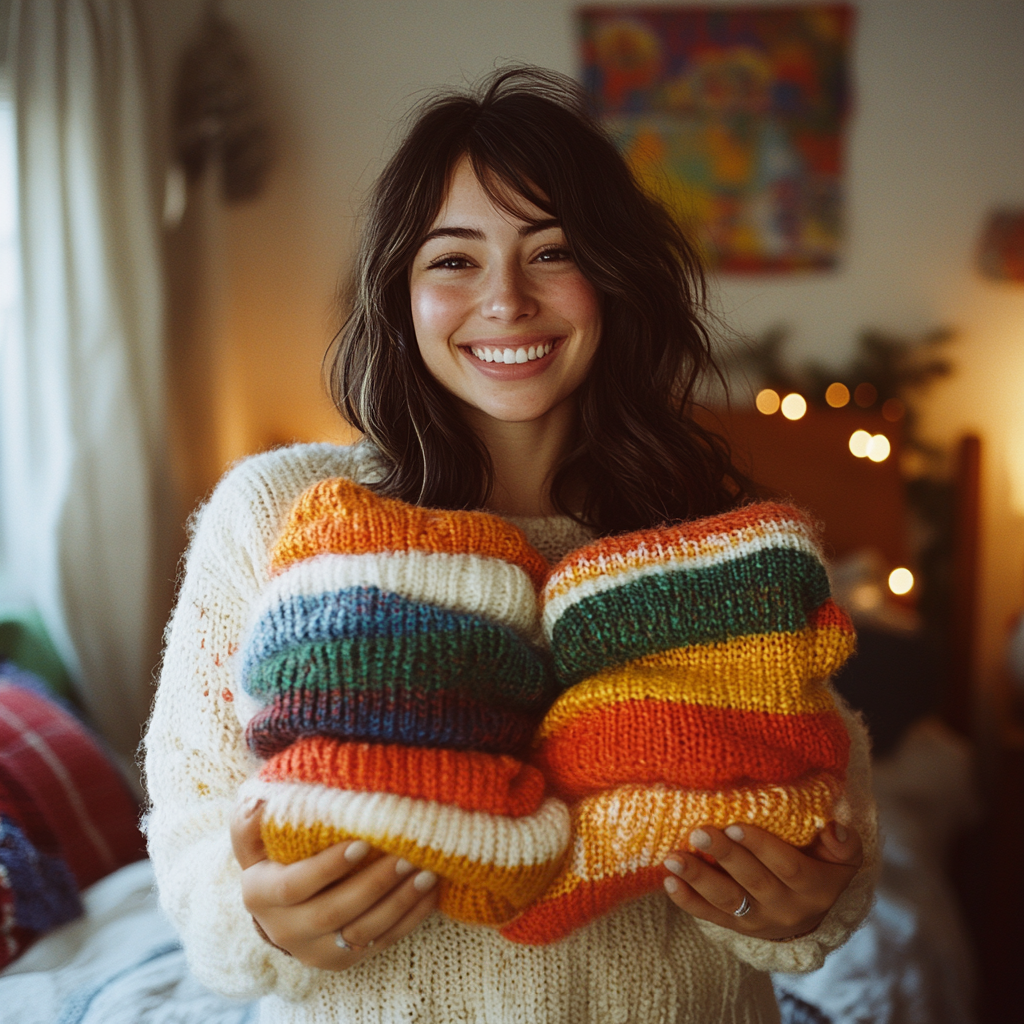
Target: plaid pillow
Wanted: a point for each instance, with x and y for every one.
(67, 817)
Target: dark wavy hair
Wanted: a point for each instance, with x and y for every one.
(638, 453)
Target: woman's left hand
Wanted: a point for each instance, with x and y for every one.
(788, 890)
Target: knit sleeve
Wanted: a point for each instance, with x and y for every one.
(857, 810)
(195, 754)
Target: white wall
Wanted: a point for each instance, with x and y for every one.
(937, 138)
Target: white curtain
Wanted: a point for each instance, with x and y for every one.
(81, 382)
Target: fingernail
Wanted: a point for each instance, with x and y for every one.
(250, 804)
(674, 866)
(357, 850)
(700, 839)
(671, 885)
(735, 833)
(424, 881)
(403, 866)
(841, 832)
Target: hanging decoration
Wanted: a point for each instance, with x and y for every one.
(736, 117)
(219, 113)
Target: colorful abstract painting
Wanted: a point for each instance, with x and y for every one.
(735, 116)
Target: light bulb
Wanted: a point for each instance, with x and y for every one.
(901, 581)
(878, 448)
(767, 401)
(859, 441)
(794, 406)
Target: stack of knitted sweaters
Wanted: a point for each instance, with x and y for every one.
(396, 665)
(640, 959)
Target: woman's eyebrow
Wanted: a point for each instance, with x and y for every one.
(476, 235)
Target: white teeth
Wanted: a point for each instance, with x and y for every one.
(512, 355)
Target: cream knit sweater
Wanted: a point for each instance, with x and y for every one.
(646, 962)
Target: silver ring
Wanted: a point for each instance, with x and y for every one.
(744, 908)
(341, 942)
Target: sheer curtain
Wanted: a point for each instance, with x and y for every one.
(81, 383)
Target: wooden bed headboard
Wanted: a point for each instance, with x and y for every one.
(860, 503)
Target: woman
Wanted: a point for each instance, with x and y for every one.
(524, 337)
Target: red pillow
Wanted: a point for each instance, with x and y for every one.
(59, 786)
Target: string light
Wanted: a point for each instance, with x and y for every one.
(859, 441)
(893, 409)
(901, 581)
(794, 406)
(767, 401)
(837, 395)
(865, 394)
(875, 447)
(879, 448)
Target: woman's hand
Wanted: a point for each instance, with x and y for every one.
(349, 890)
(788, 890)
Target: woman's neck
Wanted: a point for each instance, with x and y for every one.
(525, 457)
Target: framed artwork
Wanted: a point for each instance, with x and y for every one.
(736, 117)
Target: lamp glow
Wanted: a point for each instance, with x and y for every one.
(837, 395)
(794, 406)
(879, 448)
(767, 401)
(901, 581)
(859, 441)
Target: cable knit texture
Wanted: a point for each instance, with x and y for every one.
(695, 659)
(643, 961)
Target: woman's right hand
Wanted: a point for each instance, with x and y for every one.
(370, 899)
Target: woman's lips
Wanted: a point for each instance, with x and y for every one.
(521, 365)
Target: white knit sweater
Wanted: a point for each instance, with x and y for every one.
(645, 962)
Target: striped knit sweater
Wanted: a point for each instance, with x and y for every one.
(394, 670)
(695, 660)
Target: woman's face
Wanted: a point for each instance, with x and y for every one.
(504, 319)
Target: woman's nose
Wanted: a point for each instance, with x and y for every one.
(508, 297)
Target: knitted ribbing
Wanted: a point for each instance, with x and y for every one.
(474, 782)
(694, 659)
(413, 629)
(338, 516)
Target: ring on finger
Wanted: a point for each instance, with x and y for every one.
(342, 943)
(742, 910)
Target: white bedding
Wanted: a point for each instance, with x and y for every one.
(119, 964)
(911, 961)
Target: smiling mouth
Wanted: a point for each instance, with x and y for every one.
(509, 356)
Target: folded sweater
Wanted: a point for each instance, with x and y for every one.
(695, 661)
(396, 678)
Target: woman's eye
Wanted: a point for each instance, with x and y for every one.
(449, 263)
(555, 255)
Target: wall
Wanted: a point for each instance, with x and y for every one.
(938, 138)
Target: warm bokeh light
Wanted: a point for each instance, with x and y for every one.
(837, 395)
(901, 581)
(859, 441)
(767, 401)
(893, 409)
(865, 395)
(794, 406)
(879, 448)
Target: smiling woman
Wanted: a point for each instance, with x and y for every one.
(382, 628)
(509, 221)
